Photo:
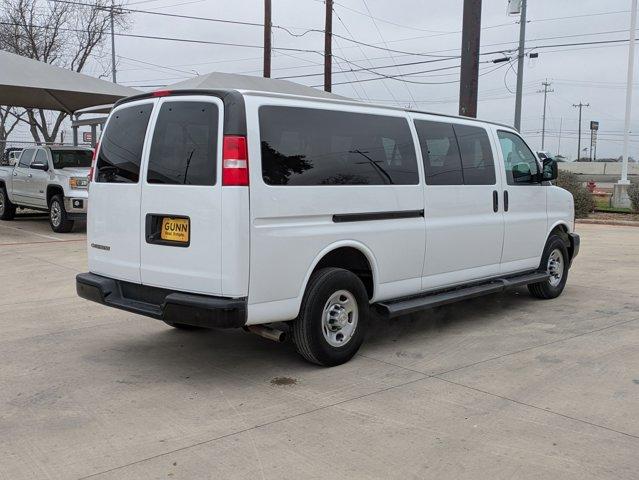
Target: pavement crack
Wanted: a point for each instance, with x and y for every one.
(530, 405)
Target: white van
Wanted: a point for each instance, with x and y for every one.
(297, 212)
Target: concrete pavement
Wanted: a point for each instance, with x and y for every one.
(499, 387)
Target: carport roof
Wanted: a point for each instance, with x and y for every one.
(233, 81)
(28, 83)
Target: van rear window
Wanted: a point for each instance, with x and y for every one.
(184, 147)
(304, 146)
(121, 145)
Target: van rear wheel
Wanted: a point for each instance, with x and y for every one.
(333, 317)
(555, 262)
(7, 209)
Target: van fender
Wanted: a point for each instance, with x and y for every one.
(562, 223)
(334, 246)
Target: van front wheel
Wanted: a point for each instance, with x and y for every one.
(555, 262)
(333, 317)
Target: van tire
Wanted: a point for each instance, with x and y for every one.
(58, 218)
(552, 287)
(350, 306)
(7, 209)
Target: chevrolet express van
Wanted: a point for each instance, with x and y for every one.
(278, 208)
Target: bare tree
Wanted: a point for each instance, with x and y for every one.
(9, 119)
(61, 33)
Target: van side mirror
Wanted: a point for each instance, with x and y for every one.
(550, 170)
(40, 166)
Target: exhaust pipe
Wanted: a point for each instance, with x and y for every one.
(266, 331)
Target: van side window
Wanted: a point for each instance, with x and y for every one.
(442, 163)
(25, 158)
(304, 146)
(476, 155)
(520, 162)
(184, 147)
(121, 145)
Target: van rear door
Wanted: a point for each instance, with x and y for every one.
(180, 230)
(113, 221)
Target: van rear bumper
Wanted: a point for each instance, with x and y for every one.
(162, 304)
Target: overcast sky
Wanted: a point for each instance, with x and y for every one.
(594, 74)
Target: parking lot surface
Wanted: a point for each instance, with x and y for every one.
(499, 387)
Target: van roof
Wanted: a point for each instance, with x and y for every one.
(233, 81)
(260, 86)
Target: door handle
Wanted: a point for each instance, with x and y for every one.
(505, 200)
(15, 174)
(495, 201)
(30, 175)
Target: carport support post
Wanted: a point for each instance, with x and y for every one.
(94, 131)
(75, 135)
(471, 30)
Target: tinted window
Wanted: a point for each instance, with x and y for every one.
(121, 145)
(40, 157)
(303, 146)
(25, 158)
(71, 158)
(520, 162)
(184, 145)
(442, 163)
(476, 155)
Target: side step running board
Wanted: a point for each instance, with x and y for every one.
(395, 308)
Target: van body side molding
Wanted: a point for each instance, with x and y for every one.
(368, 216)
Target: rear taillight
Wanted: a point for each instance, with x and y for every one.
(93, 160)
(235, 161)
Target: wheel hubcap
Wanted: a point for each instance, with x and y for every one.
(555, 267)
(56, 213)
(339, 318)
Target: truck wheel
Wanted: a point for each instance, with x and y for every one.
(555, 262)
(333, 317)
(58, 219)
(7, 209)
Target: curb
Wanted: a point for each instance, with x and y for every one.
(618, 223)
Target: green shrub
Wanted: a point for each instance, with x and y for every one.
(633, 193)
(584, 203)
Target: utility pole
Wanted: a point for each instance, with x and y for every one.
(545, 91)
(520, 64)
(113, 70)
(328, 46)
(267, 38)
(580, 105)
(469, 80)
(631, 66)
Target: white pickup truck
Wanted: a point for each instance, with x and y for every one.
(48, 178)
